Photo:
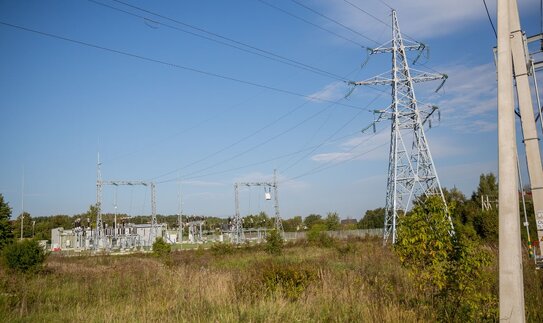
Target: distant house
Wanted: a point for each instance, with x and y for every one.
(345, 222)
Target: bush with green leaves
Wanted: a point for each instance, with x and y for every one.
(24, 256)
(161, 247)
(317, 235)
(6, 235)
(274, 242)
(275, 277)
(221, 248)
(448, 269)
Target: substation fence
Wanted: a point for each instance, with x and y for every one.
(343, 234)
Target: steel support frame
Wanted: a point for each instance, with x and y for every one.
(238, 223)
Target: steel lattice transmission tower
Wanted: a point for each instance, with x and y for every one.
(411, 170)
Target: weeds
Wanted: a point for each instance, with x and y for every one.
(358, 280)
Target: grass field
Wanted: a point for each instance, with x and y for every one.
(352, 281)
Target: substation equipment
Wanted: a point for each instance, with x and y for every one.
(237, 231)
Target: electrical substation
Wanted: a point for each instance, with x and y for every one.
(412, 173)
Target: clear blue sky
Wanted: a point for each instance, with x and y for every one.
(63, 102)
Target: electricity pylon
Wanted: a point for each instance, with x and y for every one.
(411, 170)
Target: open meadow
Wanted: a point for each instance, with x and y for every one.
(342, 281)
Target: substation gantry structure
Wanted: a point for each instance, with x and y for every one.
(100, 237)
(411, 171)
(237, 231)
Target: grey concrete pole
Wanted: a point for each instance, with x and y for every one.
(510, 260)
(531, 140)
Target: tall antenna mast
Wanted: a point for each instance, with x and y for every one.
(411, 170)
(278, 221)
(180, 213)
(22, 202)
(98, 203)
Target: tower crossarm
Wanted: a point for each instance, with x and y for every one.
(268, 184)
(387, 48)
(385, 79)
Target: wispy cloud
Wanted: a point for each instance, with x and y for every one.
(427, 18)
(331, 92)
(362, 147)
(469, 100)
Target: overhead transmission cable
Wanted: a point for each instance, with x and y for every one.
(331, 162)
(490, 19)
(262, 143)
(236, 44)
(178, 66)
(367, 13)
(335, 21)
(265, 161)
(386, 4)
(329, 137)
(198, 161)
(384, 23)
(311, 23)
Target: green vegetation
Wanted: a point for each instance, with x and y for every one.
(372, 219)
(429, 275)
(161, 248)
(274, 242)
(6, 235)
(23, 256)
(357, 280)
(449, 270)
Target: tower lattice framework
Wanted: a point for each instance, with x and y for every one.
(411, 170)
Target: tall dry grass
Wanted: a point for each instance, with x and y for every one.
(356, 281)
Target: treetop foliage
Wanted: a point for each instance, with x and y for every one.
(6, 234)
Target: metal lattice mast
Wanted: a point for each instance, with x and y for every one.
(99, 224)
(411, 171)
(278, 220)
(153, 234)
(237, 230)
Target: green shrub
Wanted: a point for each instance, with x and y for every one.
(345, 248)
(317, 235)
(24, 256)
(274, 278)
(274, 242)
(219, 249)
(161, 247)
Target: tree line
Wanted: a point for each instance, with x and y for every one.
(475, 217)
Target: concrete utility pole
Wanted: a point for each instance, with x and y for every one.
(531, 140)
(510, 260)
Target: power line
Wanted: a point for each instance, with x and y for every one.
(252, 49)
(367, 13)
(265, 161)
(311, 23)
(260, 143)
(331, 136)
(490, 19)
(334, 21)
(251, 135)
(233, 144)
(331, 163)
(195, 70)
(386, 4)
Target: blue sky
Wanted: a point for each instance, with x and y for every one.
(64, 102)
